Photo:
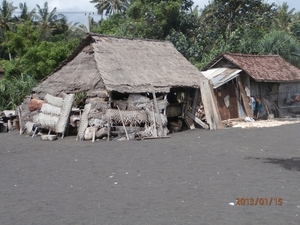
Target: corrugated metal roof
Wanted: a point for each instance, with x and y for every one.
(220, 76)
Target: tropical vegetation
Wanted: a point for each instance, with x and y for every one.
(37, 40)
(32, 44)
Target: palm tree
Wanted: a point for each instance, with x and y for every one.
(109, 7)
(25, 14)
(284, 16)
(47, 19)
(70, 29)
(6, 11)
(6, 20)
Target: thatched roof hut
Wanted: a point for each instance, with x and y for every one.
(123, 65)
(120, 78)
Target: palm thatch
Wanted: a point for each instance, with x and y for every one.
(123, 65)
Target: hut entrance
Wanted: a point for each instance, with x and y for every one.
(227, 101)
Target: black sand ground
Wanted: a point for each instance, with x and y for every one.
(191, 178)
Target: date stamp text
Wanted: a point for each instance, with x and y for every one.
(258, 201)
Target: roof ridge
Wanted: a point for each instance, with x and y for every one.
(249, 55)
(126, 38)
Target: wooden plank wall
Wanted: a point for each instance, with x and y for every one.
(209, 101)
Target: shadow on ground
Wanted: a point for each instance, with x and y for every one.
(292, 164)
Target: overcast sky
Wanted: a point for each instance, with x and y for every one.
(75, 9)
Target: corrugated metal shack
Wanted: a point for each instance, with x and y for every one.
(128, 87)
(259, 86)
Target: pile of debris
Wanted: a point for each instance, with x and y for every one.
(126, 119)
(8, 121)
(137, 117)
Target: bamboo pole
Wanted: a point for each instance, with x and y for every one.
(157, 111)
(123, 123)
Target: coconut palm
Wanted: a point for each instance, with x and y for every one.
(48, 19)
(109, 7)
(284, 16)
(25, 14)
(6, 11)
(6, 23)
(69, 29)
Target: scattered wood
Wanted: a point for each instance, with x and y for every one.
(189, 122)
(197, 120)
(34, 132)
(150, 138)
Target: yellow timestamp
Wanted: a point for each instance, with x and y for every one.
(258, 201)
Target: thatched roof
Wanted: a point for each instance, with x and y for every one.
(262, 68)
(123, 65)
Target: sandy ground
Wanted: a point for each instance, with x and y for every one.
(260, 123)
(194, 177)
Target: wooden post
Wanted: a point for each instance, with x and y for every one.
(20, 120)
(123, 123)
(244, 98)
(109, 99)
(35, 130)
(196, 97)
(94, 135)
(157, 111)
(108, 129)
(154, 121)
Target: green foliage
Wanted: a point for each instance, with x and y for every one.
(189, 48)
(14, 90)
(283, 17)
(110, 7)
(246, 40)
(42, 59)
(79, 99)
(145, 19)
(219, 47)
(283, 44)
(111, 25)
(19, 42)
(295, 29)
(222, 17)
(32, 56)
